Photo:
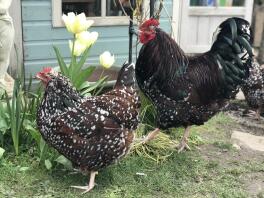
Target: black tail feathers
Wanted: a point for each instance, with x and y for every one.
(126, 76)
(233, 51)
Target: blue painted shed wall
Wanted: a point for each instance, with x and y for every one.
(39, 36)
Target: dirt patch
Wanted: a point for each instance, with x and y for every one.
(254, 183)
(245, 164)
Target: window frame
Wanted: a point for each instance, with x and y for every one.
(245, 10)
(98, 21)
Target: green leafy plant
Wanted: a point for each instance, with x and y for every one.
(80, 47)
(1, 152)
(18, 115)
(16, 110)
(4, 121)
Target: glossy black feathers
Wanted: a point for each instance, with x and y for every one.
(190, 89)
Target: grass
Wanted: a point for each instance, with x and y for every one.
(189, 174)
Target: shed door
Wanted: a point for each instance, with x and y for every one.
(198, 20)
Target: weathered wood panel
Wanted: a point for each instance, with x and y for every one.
(198, 24)
(32, 67)
(39, 36)
(36, 10)
(43, 30)
(203, 34)
(44, 49)
(259, 25)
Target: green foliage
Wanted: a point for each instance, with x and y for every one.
(77, 74)
(158, 149)
(4, 121)
(48, 164)
(18, 116)
(148, 112)
(223, 145)
(1, 152)
(16, 109)
(64, 161)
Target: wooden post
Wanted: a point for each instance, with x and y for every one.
(151, 8)
(176, 19)
(261, 51)
(16, 58)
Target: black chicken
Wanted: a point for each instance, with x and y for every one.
(189, 90)
(253, 89)
(91, 132)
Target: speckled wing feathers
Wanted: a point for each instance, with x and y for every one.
(92, 132)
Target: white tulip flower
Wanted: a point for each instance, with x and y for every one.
(76, 23)
(106, 60)
(79, 47)
(87, 38)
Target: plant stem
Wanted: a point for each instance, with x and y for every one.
(72, 58)
(101, 75)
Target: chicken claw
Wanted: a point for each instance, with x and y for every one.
(183, 144)
(152, 135)
(91, 183)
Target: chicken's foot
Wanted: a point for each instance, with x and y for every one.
(151, 136)
(251, 113)
(254, 114)
(257, 115)
(91, 183)
(183, 144)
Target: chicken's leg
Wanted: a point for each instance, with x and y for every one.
(183, 144)
(257, 115)
(151, 136)
(91, 183)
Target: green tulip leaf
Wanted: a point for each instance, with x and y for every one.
(1, 152)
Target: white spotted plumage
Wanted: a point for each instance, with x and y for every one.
(95, 131)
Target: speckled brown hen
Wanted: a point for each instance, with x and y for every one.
(253, 89)
(91, 132)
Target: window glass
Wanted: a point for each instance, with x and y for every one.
(113, 7)
(224, 3)
(89, 7)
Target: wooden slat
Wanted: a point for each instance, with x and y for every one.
(259, 25)
(248, 10)
(44, 49)
(32, 67)
(198, 48)
(214, 22)
(34, 31)
(216, 11)
(36, 11)
(203, 30)
(192, 31)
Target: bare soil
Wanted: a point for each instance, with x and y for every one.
(241, 161)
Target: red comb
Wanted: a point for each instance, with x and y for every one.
(150, 22)
(46, 70)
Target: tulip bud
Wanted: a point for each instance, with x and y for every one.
(106, 60)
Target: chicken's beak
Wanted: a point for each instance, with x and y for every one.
(39, 76)
(42, 77)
